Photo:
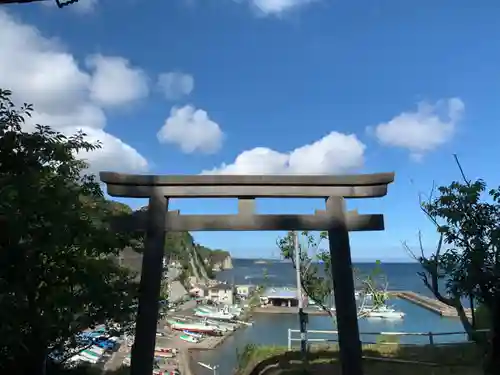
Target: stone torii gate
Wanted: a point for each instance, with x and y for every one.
(158, 220)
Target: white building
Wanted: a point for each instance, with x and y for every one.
(221, 293)
(245, 290)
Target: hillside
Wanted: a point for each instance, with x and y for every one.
(196, 260)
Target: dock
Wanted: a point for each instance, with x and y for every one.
(287, 310)
(429, 303)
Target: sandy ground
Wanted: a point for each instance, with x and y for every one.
(117, 358)
(170, 339)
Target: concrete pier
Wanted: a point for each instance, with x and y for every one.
(429, 303)
(287, 310)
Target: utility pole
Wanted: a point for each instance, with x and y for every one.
(302, 315)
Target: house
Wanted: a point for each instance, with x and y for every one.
(285, 297)
(245, 290)
(221, 293)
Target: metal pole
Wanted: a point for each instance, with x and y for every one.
(302, 315)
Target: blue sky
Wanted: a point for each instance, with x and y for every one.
(181, 87)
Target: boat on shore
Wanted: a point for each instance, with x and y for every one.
(218, 315)
(194, 327)
(189, 338)
(164, 354)
(222, 325)
(194, 334)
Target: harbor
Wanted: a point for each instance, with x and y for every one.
(197, 334)
(428, 303)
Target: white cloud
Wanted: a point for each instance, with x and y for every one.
(40, 71)
(114, 82)
(175, 85)
(192, 130)
(277, 7)
(333, 154)
(424, 130)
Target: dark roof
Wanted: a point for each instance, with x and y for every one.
(221, 287)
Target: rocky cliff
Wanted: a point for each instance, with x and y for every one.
(225, 263)
(215, 259)
(197, 261)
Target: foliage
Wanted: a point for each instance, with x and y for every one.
(483, 317)
(164, 289)
(467, 257)
(459, 359)
(58, 273)
(316, 261)
(252, 352)
(181, 247)
(388, 339)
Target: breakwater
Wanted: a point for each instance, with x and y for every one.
(429, 303)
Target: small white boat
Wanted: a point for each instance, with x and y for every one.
(193, 334)
(383, 312)
(190, 339)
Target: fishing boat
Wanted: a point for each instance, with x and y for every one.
(206, 309)
(165, 350)
(164, 354)
(194, 334)
(223, 326)
(190, 339)
(218, 315)
(193, 327)
(383, 312)
(90, 355)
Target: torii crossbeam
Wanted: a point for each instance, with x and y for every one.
(158, 220)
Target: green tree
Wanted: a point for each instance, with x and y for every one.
(316, 271)
(466, 262)
(58, 269)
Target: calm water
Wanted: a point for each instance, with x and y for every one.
(273, 329)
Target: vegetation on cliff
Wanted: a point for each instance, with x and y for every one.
(57, 272)
(196, 260)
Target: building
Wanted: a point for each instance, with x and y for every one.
(285, 297)
(221, 293)
(245, 290)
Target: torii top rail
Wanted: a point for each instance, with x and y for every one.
(246, 189)
(157, 220)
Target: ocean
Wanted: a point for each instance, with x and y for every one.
(271, 329)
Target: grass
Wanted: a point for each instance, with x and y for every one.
(380, 359)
